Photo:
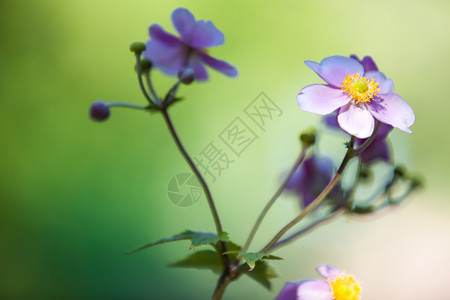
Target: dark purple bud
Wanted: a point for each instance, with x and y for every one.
(186, 75)
(99, 111)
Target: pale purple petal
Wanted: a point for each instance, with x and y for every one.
(219, 65)
(356, 120)
(321, 99)
(196, 64)
(386, 84)
(157, 33)
(205, 35)
(289, 291)
(167, 58)
(393, 110)
(333, 69)
(184, 22)
(328, 271)
(314, 290)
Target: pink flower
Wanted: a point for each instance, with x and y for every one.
(337, 286)
(360, 96)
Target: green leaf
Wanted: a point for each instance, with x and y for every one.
(196, 238)
(250, 258)
(263, 273)
(204, 259)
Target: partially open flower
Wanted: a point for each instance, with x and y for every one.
(311, 178)
(360, 96)
(170, 53)
(337, 285)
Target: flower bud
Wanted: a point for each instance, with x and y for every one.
(99, 111)
(308, 137)
(137, 47)
(145, 65)
(186, 75)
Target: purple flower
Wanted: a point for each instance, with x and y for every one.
(311, 178)
(337, 286)
(360, 96)
(170, 53)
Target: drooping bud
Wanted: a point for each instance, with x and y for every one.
(186, 75)
(99, 111)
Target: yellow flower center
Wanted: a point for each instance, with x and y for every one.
(360, 89)
(345, 287)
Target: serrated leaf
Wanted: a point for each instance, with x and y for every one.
(250, 258)
(204, 259)
(196, 238)
(263, 273)
(204, 238)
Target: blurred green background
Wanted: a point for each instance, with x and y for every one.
(75, 195)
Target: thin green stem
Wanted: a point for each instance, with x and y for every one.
(222, 248)
(275, 196)
(302, 231)
(150, 85)
(349, 155)
(126, 105)
(139, 75)
(194, 169)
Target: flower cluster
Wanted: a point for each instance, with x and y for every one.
(357, 98)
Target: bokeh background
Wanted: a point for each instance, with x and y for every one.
(76, 195)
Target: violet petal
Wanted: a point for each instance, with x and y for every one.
(314, 290)
(158, 33)
(184, 22)
(218, 65)
(333, 69)
(321, 99)
(356, 120)
(206, 35)
(289, 291)
(328, 271)
(197, 65)
(386, 84)
(393, 110)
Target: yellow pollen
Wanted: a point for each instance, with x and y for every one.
(360, 89)
(345, 287)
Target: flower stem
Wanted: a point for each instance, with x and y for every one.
(195, 170)
(369, 140)
(272, 200)
(139, 75)
(150, 85)
(221, 246)
(126, 105)
(304, 230)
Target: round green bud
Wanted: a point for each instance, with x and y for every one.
(308, 138)
(137, 47)
(145, 65)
